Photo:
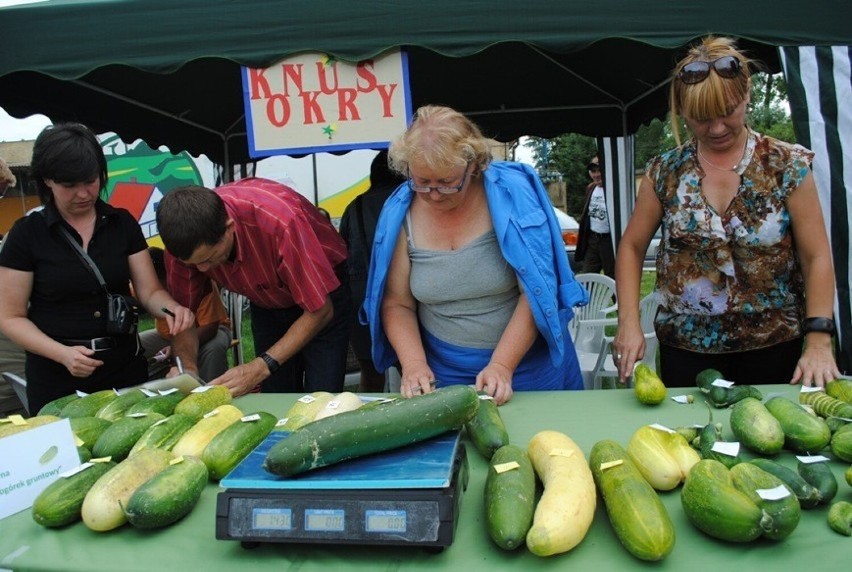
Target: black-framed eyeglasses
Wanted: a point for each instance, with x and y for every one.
(444, 190)
(727, 67)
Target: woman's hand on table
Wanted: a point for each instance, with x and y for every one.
(417, 379)
(496, 381)
(628, 347)
(816, 366)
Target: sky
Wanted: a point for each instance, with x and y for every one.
(12, 129)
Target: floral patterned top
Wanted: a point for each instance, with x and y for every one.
(729, 281)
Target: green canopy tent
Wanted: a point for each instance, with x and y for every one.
(168, 72)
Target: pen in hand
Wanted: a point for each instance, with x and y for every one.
(168, 312)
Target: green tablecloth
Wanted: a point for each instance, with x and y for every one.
(585, 416)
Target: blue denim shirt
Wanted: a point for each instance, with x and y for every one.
(529, 238)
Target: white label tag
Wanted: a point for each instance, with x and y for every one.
(333, 404)
(81, 393)
(779, 492)
(211, 414)
(176, 460)
(811, 389)
(148, 392)
(75, 470)
(561, 453)
(611, 464)
(101, 459)
(808, 459)
(136, 415)
(202, 389)
(682, 399)
(282, 422)
(486, 398)
(730, 448)
(659, 427)
(248, 418)
(723, 383)
(115, 391)
(17, 420)
(160, 422)
(307, 399)
(504, 467)
(172, 390)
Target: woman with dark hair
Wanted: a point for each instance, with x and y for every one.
(744, 274)
(53, 304)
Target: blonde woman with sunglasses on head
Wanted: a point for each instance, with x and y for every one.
(469, 282)
(744, 273)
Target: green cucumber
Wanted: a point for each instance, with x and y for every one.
(89, 405)
(708, 436)
(198, 403)
(835, 423)
(840, 517)
(825, 405)
(162, 404)
(807, 494)
(820, 476)
(780, 516)
(756, 428)
(115, 409)
(716, 507)
(705, 378)
(380, 428)
(803, 432)
(119, 438)
(509, 497)
(60, 502)
(840, 389)
(235, 442)
(169, 495)
(84, 454)
(487, 430)
(88, 429)
(163, 434)
(841, 443)
(726, 396)
(55, 407)
(638, 516)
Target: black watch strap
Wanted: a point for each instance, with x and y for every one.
(270, 362)
(823, 325)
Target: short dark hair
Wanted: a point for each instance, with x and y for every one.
(189, 217)
(67, 153)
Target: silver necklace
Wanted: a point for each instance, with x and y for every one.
(717, 167)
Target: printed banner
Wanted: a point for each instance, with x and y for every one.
(312, 102)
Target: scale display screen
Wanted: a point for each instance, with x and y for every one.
(386, 521)
(272, 519)
(325, 520)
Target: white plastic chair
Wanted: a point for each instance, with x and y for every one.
(587, 327)
(605, 366)
(19, 384)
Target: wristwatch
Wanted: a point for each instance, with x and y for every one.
(270, 362)
(823, 325)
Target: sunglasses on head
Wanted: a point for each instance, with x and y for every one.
(727, 67)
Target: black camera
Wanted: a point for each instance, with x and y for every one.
(122, 314)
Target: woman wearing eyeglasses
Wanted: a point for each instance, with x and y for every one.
(469, 282)
(745, 277)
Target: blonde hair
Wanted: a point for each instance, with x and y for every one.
(439, 138)
(713, 97)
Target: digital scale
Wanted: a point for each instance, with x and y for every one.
(409, 496)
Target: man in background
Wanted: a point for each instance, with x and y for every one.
(214, 333)
(358, 228)
(594, 242)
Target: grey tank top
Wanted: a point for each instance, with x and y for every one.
(466, 296)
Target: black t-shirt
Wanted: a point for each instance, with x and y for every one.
(66, 299)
